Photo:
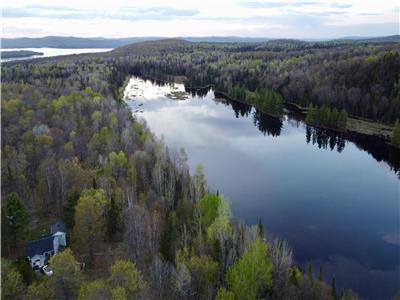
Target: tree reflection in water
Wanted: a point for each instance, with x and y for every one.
(321, 138)
(325, 138)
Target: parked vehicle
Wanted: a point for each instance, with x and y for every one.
(47, 271)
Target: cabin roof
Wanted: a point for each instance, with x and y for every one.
(58, 226)
(40, 246)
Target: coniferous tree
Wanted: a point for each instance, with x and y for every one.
(168, 238)
(113, 219)
(309, 272)
(69, 209)
(94, 183)
(342, 119)
(396, 133)
(321, 275)
(310, 114)
(16, 217)
(334, 291)
(260, 228)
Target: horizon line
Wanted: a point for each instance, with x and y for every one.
(203, 36)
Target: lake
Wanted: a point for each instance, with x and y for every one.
(333, 197)
(47, 52)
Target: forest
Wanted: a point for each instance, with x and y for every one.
(364, 81)
(142, 224)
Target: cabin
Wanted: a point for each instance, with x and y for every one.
(39, 251)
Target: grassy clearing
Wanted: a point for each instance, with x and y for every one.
(370, 128)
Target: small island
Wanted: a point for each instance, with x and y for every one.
(19, 54)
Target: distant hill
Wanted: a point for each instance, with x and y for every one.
(149, 48)
(99, 42)
(225, 39)
(70, 42)
(382, 39)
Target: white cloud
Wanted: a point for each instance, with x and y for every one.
(123, 18)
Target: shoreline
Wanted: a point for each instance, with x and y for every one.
(225, 96)
(354, 124)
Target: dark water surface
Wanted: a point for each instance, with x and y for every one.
(334, 197)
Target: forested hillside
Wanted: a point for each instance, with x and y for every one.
(145, 228)
(362, 79)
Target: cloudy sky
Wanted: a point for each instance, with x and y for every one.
(171, 18)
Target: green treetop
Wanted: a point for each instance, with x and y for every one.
(396, 133)
(251, 275)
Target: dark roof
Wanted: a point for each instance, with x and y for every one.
(40, 246)
(58, 226)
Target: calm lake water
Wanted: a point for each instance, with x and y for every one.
(47, 52)
(326, 194)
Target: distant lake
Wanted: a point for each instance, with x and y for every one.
(334, 198)
(47, 52)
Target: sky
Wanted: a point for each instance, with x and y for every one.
(172, 18)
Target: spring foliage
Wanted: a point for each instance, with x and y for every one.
(251, 275)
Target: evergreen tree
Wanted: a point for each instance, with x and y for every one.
(309, 272)
(334, 291)
(260, 228)
(16, 217)
(342, 119)
(321, 275)
(334, 117)
(168, 238)
(69, 209)
(113, 219)
(326, 116)
(94, 183)
(310, 114)
(396, 133)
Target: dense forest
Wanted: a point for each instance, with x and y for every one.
(144, 227)
(363, 80)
